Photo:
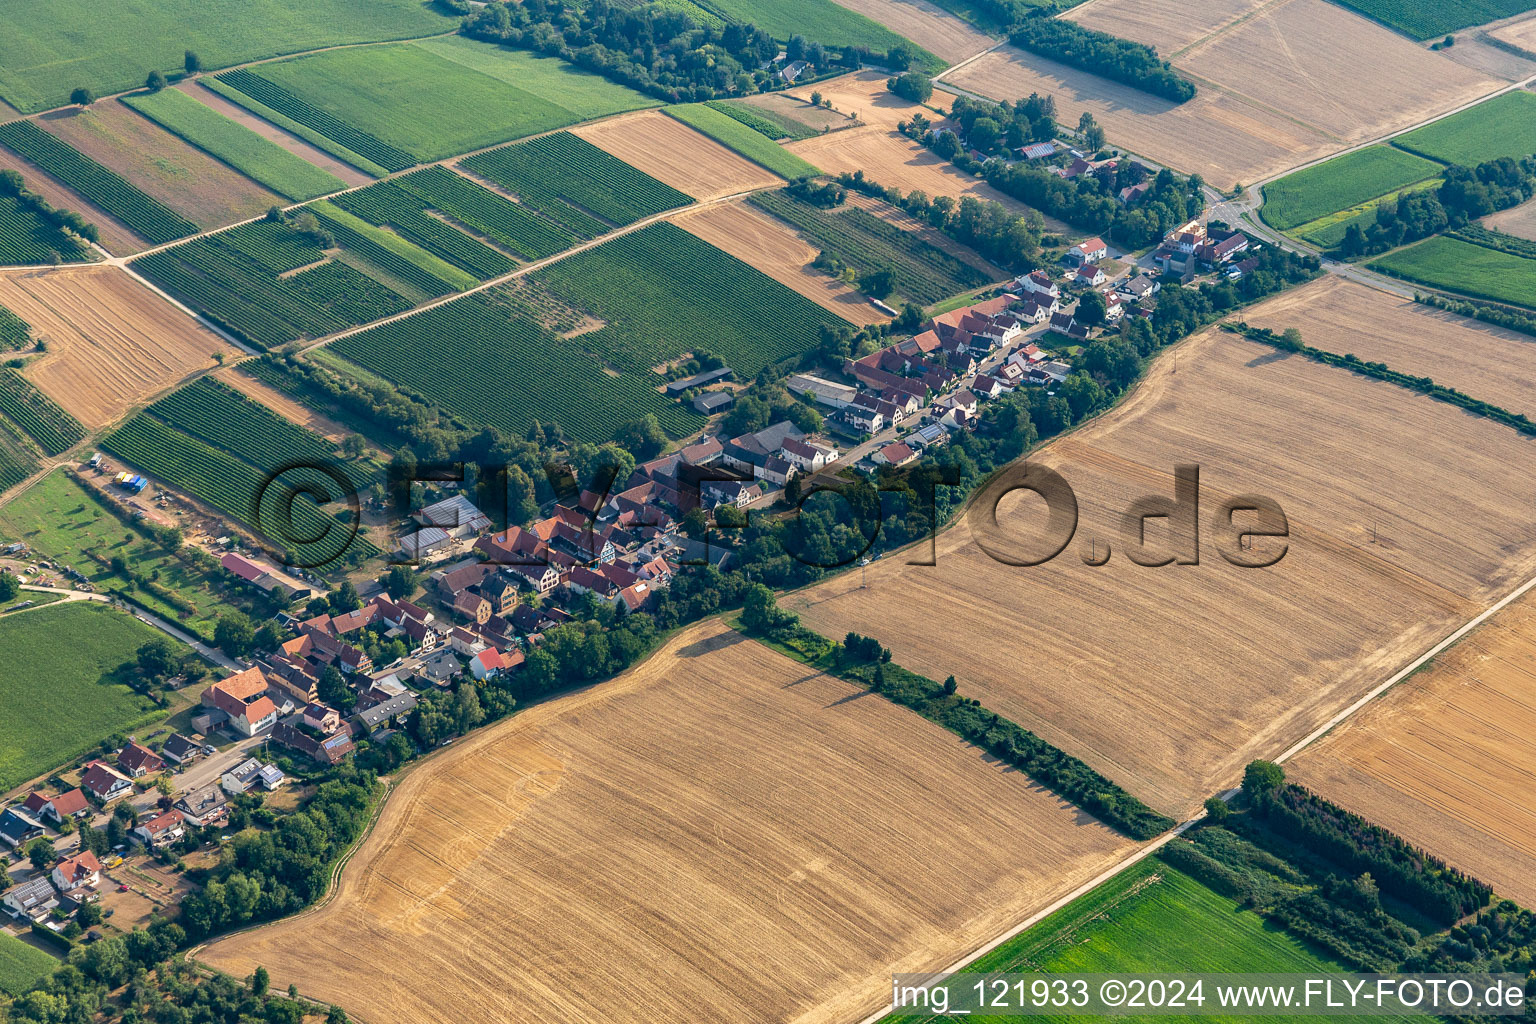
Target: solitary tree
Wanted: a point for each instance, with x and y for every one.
(234, 633)
(193, 63)
(82, 97)
(155, 82)
(156, 659)
(260, 981)
(41, 853)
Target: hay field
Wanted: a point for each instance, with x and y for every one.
(775, 249)
(1168, 26)
(675, 154)
(1168, 680)
(1517, 220)
(893, 160)
(1447, 759)
(203, 190)
(864, 94)
(926, 24)
(112, 342)
(1280, 85)
(1485, 361)
(717, 836)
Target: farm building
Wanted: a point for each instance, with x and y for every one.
(698, 380)
(713, 401)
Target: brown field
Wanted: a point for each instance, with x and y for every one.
(1521, 33)
(799, 110)
(1482, 360)
(189, 181)
(1281, 85)
(1169, 680)
(112, 342)
(670, 151)
(1517, 220)
(272, 133)
(282, 404)
(778, 251)
(864, 94)
(1168, 26)
(115, 236)
(717, 836)
(895, 161)
(1447, 759)
(927, 25)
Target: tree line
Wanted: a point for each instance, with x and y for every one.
(12, 184)
(863, 660)
(1464, 195)
(1122, 60)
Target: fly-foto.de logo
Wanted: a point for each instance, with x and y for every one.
(1246, 530)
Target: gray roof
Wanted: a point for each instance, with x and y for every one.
(385, 711)
(37, 892)
(677, 387)
(14, 824)
(452, 513)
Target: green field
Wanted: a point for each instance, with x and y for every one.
(821, 21)
(288, 124)
(513, 225)
(1459, 266)
(39, 416)
(406, 214)
(585, 94)
(47, 50)
(661, 291)
(14, 331)
(1503, 126)
(26, 239)
(1341, 183)
(250, 154)
(486, 359)
(70, 525)
(413, 254)
(415, 101)
(60, 706)
(147, 216)
(923, 273)
(1327, 232)
(775, 125)
(1427, 19)
(733, 133)
(1150, 918)
(567, 180)
(22, 966)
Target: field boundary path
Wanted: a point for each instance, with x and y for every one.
(213, 654)
(1141, 853)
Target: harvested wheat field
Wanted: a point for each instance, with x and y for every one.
(1337, 315)
(1517, 220)
(815, 118)
(1447, 759)
(1168, 26)
(926, 24)
(864, 94)
(1168, 680)
(189, 181)
(115, 236)
(282, 404)
(1280, 85)
(717, 836)
(1521, 32)
(670, 151)
(895, 161)
(112, 342)
(775, 249)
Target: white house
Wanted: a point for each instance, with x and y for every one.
(1038, 284)
(31, 899)
(1089, 250)
(83, 869)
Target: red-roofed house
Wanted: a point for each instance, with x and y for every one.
(243, 697)
(161, 829)
(897, 454)
(104, 782)
(81, 870)
(137, 761)
(492, 662)
(72, 804)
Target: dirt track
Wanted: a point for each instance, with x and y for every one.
(717, 836)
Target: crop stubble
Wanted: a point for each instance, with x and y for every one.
(1448, 758)
(1169, 679)
(675, 154)
(719, 835)
(111, 341)
(776, 250)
